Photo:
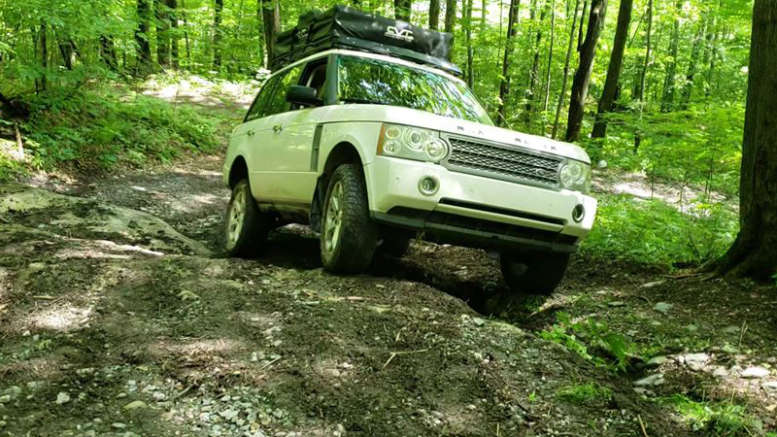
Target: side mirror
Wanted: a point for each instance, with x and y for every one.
(302, 95)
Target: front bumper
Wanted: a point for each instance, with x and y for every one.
(476, 210)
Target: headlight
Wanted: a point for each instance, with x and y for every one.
(576, 176)
(412, 143)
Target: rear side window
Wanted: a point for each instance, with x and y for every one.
(277, 103)
(257, 108)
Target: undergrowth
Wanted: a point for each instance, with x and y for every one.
(653, 232)
(720, 419)
(592, 340)
(99, 127)
(584, 393)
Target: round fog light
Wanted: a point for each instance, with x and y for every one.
(428, 185)
(578, 213)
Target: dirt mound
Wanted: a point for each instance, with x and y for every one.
(33, 216)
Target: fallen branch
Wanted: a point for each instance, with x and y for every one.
(642, 426)
(19, 143)
(394, 354)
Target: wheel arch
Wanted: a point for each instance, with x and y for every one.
(343, 152)
(238, 170)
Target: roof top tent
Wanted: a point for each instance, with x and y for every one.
(348, 28)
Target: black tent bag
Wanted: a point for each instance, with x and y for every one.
(348, 28)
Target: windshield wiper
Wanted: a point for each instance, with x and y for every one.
(365, 101)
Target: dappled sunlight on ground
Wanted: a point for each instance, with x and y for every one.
(201, 91)
(639, 185)
(62, 318)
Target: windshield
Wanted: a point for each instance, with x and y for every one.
(365, 80)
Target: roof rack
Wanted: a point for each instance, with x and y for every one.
(349, 28)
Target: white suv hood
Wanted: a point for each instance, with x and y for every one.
(427, 120)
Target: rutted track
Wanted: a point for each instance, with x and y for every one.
(104, 332)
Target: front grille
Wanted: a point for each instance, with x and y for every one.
(472, 157)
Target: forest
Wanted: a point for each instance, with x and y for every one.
(119, 314)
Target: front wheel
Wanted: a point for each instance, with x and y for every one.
(348, 235)
(533, 272)
(245, 226)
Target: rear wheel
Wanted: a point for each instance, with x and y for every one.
(348, 235)
(245, 226)
(533, 272)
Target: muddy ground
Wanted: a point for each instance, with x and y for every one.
(119, 316)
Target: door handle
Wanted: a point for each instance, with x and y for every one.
(251, 132)
(277, 128)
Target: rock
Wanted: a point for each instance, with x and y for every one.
(656, 379)
(770, 386)
(134, 405)
(755, 372)
(478, 321)
(652, 284)
(720, 372)
(13, 391)
(62, 398)
(656, 361)
(663, 307)
(732, 329)
(695, 361)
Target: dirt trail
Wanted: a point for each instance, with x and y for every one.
(107, 332)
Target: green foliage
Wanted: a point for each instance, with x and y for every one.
(698, 147)
(722, 419)
(584, 393)
(591, 339)
(652, 232)
(103, 127)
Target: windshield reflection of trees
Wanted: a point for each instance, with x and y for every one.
(368, 80)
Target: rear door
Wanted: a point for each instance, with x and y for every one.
(294, 140)
(288, 174)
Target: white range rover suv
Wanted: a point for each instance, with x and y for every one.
(372, 150)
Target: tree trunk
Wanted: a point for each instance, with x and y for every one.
(434, 14)
(754, 253)
(172, 6)
(450, 15)
(582, 26)
(44, 55)
(468, 42)
(187, 45)
(108, 52)
(640, 94)
(667, 100)
(218, 7)
(402, 9)
(271, 19)
(685, 98)
(504, 84)
(709, 57)
(546, 98)
(535, 65)
(566, 71)
(614, 69)
(582, 76)
(142, 37)
(483, 12)
(162, 15)
(67, 52)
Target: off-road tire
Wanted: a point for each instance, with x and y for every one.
(351, 248)
(248, 240)
(536, 273)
